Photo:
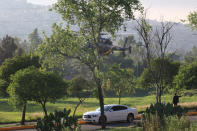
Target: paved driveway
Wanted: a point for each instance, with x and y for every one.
(91, 127)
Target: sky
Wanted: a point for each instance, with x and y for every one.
(169, 10)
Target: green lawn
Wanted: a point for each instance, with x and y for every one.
(9, 114)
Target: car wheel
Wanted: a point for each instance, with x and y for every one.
(130, 118)
(104, 119)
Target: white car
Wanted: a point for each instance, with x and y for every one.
(112, 113)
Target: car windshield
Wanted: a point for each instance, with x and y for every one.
(106, 108)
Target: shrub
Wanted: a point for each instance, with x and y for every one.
(170, 123)
(57, 121)
(165, 110)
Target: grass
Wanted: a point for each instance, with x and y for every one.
(8, 114)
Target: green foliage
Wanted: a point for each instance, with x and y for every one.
(31, 84)
(57, 121)
(145, 80)
(80, 87)
(175, 56)
(161, 117)
(7, 48)
(121, 80)
(3, 87)
(34, 39)
(191, 56)
(89, 13)
(192, 17)
(12, 65)
(165, 110)
(171, 123)
(116, 58)
(186, 77)
(149, 79)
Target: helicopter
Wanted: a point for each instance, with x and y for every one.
(106, 46)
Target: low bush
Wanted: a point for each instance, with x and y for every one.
(165, 117)
(170, 123)
(57, 121)
(165, 110)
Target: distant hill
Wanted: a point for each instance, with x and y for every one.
(19, 18)
(183, 36)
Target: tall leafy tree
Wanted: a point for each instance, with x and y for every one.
(3, 87)
(92, 18)
(192, 18)
(7, 48)
(12, 65)
(32, 84)
(191, 56)
(34, 39)
(186, 77)
(146, 80)
(155, 41)
(122, 81)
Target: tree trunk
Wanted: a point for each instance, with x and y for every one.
(23, 114)
(44, 108)
(80, 101)
(101, 101)
(160, 94)
(119, 97)
(157, 95)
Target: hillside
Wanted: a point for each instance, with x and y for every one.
(19, 18)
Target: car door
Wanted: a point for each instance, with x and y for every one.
(117, 113)
(111, 114)
(124, 112)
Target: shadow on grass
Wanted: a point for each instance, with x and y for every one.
(5, 107)
(85, 104)
(33, 107)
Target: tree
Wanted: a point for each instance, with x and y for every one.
(170, 69)
(80, 88)
(175, 56)
(155, 42)
(191, 56)
(137, 53)
(3, 87)
(12, 65)
(32, 84)
(92, 18)
(121, 80)
(186, 77)
(34, 39)
(192, 18)
(7, 48)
